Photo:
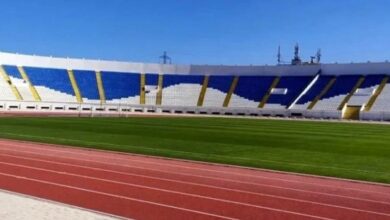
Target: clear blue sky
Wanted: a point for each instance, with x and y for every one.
(198, 31)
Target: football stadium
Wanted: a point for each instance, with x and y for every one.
(89, 138)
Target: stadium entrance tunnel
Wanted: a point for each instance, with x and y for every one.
(352, 112)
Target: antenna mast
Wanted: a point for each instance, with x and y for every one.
(165, 58)
(279, 56)
(297, 60)
(318, 55)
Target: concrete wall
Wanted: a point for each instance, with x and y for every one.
(356, 69)
(119, 110)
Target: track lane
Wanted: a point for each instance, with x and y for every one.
(211, 206)
(355, 203)
(105, 203)
(287, 204)
(221, 171)
(250, 190)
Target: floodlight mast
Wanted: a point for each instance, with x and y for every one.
(165, 59)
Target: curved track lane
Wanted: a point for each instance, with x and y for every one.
(143, 187)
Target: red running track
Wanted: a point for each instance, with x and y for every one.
(141, 187)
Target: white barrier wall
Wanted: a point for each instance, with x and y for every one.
(91, 109)
(375, 116)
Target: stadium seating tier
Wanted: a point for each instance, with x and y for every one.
(217, 91)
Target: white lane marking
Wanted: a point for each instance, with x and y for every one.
(207, 177)
(110, 171)
(169, 191)
(98, 155)
(112, 195)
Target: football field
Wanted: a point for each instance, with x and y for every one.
(348, 150)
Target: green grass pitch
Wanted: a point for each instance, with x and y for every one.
(347, 150)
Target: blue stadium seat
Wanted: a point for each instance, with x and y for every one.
(151, 79)
(253, 87)
(342, 86)
(121, 85)
(372, 80)
(221, 83)
(12, 71)
(86, 81)
(56, 79)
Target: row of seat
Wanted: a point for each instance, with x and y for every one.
(295, 92)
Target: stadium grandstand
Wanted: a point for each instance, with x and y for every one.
(38, 84)
(171, 110)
